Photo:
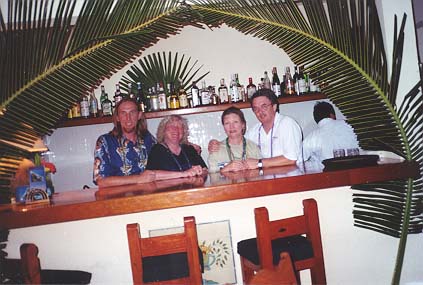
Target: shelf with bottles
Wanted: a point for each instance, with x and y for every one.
(188, 111)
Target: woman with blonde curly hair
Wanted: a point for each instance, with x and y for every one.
(173, 152)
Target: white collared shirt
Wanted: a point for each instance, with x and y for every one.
(330, 134)
(286, 138)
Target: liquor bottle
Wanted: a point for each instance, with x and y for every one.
(103, 94)
(118, 94)
(266, 81)
(234, 91)
(174, 99)
(296, 80)
(154, 100)
(289, 82)
(168, 92)
(107, 106)
(93, 105)
(130, 93)
(85, 107)
(140, 98)
(162, 97)
(251, 88)
(301, 82)
(276, 83)
(214, 99)
(76, 110)
(195, 93)
(241, 89)
(223, 92)
(205, 95)
(183, 98)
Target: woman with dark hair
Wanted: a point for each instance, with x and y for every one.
(235, 149)
(173, 151)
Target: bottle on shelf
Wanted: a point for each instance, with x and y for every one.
(103, 94)
(266, 81)
(223, 92)
(76, 110)
(107, 106)
(154, 100)
(162, 97)
(241, 89)
(289, 82)
(140, 98)
(174, 99)
(182, 94)
(301, 82)
(118, 95)
(195, 94)
(276, 83)
(251, 88)
(131, 94)
(93, 105)
(214, 99)
(234, 91)
(85, 107)
(205, 95)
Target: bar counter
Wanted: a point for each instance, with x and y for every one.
(94, 203)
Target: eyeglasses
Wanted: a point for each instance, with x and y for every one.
(263, 107)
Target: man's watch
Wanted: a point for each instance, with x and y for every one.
(260, 164)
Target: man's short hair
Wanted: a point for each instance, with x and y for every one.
(322, 110)
(269, 94)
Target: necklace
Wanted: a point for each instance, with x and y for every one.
(175, 159)
(244, 149)
(271, 139)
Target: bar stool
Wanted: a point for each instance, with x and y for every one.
(27, 270)
(157, 260)
(285, 235)
(282, 274)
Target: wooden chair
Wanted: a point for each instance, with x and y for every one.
(27, 270)
(170, 259)
(282, 274)
(274, 237)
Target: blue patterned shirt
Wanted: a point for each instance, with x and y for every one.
(121, 157)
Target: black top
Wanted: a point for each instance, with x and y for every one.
(161, 158)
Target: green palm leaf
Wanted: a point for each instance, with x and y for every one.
(159, 68)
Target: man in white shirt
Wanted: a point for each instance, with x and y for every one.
(279, 137)
(331, 134)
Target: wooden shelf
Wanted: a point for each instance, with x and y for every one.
(188, 111)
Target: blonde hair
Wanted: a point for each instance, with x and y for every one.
(170, 119)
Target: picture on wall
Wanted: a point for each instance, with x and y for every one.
(215, 242)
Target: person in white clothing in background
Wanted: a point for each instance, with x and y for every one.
(278, 137)
(331, 134)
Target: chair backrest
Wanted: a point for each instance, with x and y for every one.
(283, 273)
(162, 245)
(307, 224)
(30, 263)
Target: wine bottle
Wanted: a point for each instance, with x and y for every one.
(85, 107)
(182, 94)
(107, 106)
(118, 94)
(93, 105)
(205, 94)
(266, 81)
(162, 97)
(140, 98)
(251, 88)
(289, 82)
(276, 83)
(195, 93)
(223, 92)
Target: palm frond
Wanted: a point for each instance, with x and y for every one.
(158, 67)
